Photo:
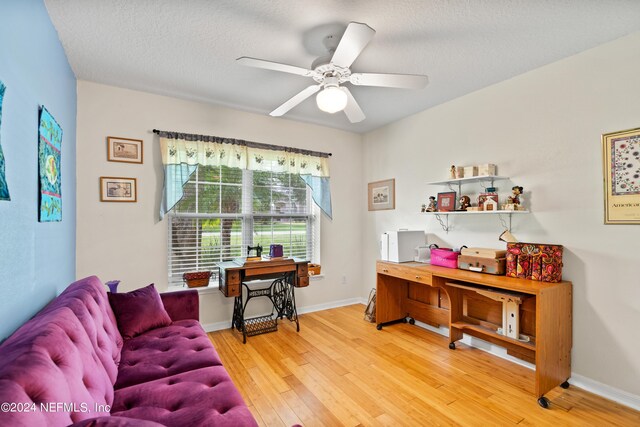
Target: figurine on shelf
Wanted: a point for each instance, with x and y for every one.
(465, 202)
(452, 172)
(433, 205)
(424, 208)
(515, 199)
(514, 202)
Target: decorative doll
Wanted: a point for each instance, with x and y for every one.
(465, 202)
(433, 206)
(516, 198)
(452, 172)
(424, 208)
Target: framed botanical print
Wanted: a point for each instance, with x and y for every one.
(382, 195)
(621, 166)
(124, 150)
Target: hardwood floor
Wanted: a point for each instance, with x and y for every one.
(339, 370)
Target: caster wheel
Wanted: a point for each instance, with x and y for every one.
(379, 327)
(544, 402)
(452, 346)
(565, 385)
(404, 320)
(412, 321)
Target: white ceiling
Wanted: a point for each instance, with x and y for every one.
(188, 48)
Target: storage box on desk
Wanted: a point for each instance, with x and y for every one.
(535, 261)
(482, 264)
(444, 257)
(483, 260)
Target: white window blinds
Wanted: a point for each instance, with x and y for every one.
(226, 209)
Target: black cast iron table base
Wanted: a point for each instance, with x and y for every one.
(282, 296)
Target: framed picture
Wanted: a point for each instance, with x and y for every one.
(114, 189)
(382, 195)
(621, 160)
(447, 201)
(124, 150)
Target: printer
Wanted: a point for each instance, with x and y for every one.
(400, 246)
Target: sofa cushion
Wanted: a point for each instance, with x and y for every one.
(159, 353)
(139, 311)
(202, 397)
(115, 422)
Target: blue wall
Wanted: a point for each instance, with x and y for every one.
(37, 260)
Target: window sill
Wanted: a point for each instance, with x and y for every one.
(202, 290)
(214, 288)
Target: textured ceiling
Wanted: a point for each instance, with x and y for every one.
(188, 48)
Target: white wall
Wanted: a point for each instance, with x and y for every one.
(543, 129)
(127, 241)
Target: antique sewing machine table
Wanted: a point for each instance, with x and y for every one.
(286, 274)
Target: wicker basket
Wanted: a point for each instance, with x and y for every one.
(314, 269)
(197, 279)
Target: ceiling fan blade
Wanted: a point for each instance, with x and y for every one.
(354, 40)
(352, 110)
(276, 66)
(295, 100)
(403, 81)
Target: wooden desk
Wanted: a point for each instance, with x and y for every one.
(445, 296)
(287, 274)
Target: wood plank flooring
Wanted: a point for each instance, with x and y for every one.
(339, 370)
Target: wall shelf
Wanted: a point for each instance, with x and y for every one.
(499, 212)
(469, 180)
(484, 181)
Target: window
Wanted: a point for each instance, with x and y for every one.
(224, 210)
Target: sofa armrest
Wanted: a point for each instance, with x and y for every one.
(181, 305)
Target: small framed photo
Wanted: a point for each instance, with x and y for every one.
(124, 150)
(447, 201)
(382, 195)
(115, 189)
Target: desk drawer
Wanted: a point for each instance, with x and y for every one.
(303, 282)
(411, 274)
(229, 290)
(303, 269)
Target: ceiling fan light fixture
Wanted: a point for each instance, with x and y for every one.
(331, 99)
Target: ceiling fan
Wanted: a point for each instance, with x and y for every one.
(332, 70)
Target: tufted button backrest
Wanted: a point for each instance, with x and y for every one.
(68, 353)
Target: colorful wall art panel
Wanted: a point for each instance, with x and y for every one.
(4, 188)
(49, 165)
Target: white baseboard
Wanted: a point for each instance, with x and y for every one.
(332, 304)
(211, 327)
(619, 396)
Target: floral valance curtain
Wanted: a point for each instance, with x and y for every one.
(182, 153)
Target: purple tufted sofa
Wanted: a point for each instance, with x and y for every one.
(70, 365)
